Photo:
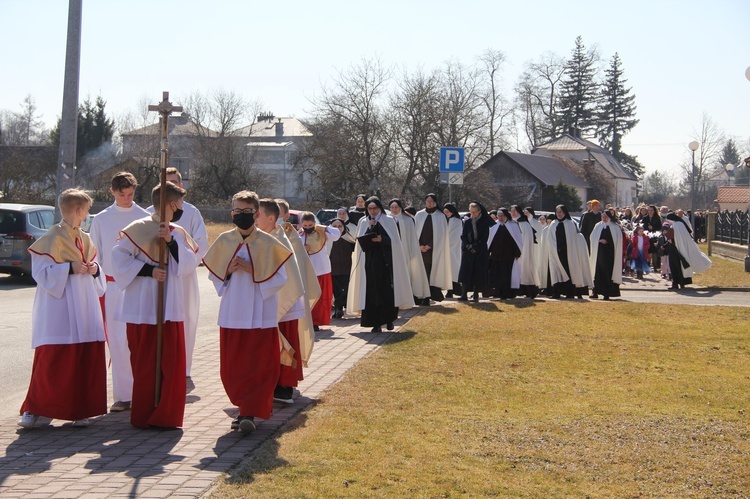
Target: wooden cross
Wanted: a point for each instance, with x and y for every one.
(164, 108)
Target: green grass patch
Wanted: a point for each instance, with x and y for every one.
(541, 400)
(724, 273)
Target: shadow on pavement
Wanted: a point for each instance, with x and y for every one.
(11, 282)
(263, 459)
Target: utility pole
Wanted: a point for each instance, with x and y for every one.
(66, 159)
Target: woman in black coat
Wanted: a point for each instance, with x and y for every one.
(474, 253)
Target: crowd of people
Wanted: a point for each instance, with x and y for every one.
(278, 284)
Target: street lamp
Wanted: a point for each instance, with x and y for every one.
(730, 172)
(694, 145)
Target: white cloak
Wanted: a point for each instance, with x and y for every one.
(616, 232)
(402, 294)
(321, 260)
(420, 287)
(66, 306)
(529, 254)
(441, 272)
(246, 304)
(578, 255)
(687, 247)
(140, 293)
(312, 295)
(515, 233)
(455, 228)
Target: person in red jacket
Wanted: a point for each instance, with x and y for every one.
(639, 245)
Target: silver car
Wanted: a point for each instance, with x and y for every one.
(20, 226)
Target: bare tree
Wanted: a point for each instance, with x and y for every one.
(707, 167)
(500, 111)
(538, 96)
(415, 106)
(221, 161)
(351, 116)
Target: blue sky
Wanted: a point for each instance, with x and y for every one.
(682, 58)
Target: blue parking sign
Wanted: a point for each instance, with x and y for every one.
(452, 159)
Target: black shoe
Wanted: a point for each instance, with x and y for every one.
(283, 394)
(247, 425)
(389, 326)
(595, 296)
(376, 329)
(425, 302)
(463, 298)
(449, 294)
(235, 425)
(316, 328)
(475, 298)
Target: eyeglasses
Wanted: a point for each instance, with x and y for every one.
(248, 211)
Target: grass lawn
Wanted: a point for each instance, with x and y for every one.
(724, 272)
(543, 400)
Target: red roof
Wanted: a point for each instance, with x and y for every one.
(733, 194)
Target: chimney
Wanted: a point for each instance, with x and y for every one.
(279, 129)
(267, 116)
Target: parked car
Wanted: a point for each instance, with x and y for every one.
(326, 215)
(20, 226)
(294, 218)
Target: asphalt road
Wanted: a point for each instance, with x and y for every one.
(17, 296)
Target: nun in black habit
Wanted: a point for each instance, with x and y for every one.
(475, 255)
(504, 248)
(380, 305)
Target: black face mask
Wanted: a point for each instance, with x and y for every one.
(243, 220)
(431, 210)
(177, 215)
(309, 230)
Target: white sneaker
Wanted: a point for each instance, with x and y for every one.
(81, 423)
(27, 420)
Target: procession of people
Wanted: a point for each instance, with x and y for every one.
(278, 284)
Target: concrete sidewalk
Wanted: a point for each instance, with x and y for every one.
(111, 458)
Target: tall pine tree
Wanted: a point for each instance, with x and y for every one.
(579, 92)
(616, 115)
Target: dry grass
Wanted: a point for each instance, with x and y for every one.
(498, 400)
(724, 272)
(214, 229)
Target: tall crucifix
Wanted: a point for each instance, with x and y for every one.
(164, 108)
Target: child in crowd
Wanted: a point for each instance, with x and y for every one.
(136, 272)
(246, 266)
(639, 245)
(69, 375)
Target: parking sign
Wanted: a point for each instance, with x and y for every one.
(452, 159)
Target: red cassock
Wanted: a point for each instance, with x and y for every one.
(68, 381)
(321, 312)
(142, 343)
(250, 385)
(291, 376)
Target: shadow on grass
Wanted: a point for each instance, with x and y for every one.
(400, 336)
(437, 309)
(265, 458)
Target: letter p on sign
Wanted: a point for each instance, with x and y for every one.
(452, 159)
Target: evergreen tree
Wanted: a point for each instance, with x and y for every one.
(94, 127)
(616, 115)
(579, 92)
(730, 154)
(561, 194)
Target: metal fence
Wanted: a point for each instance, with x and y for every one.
(731, 227)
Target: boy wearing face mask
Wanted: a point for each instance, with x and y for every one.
(135, 261)
(246, 266)
(318, 241)
(192, 221)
